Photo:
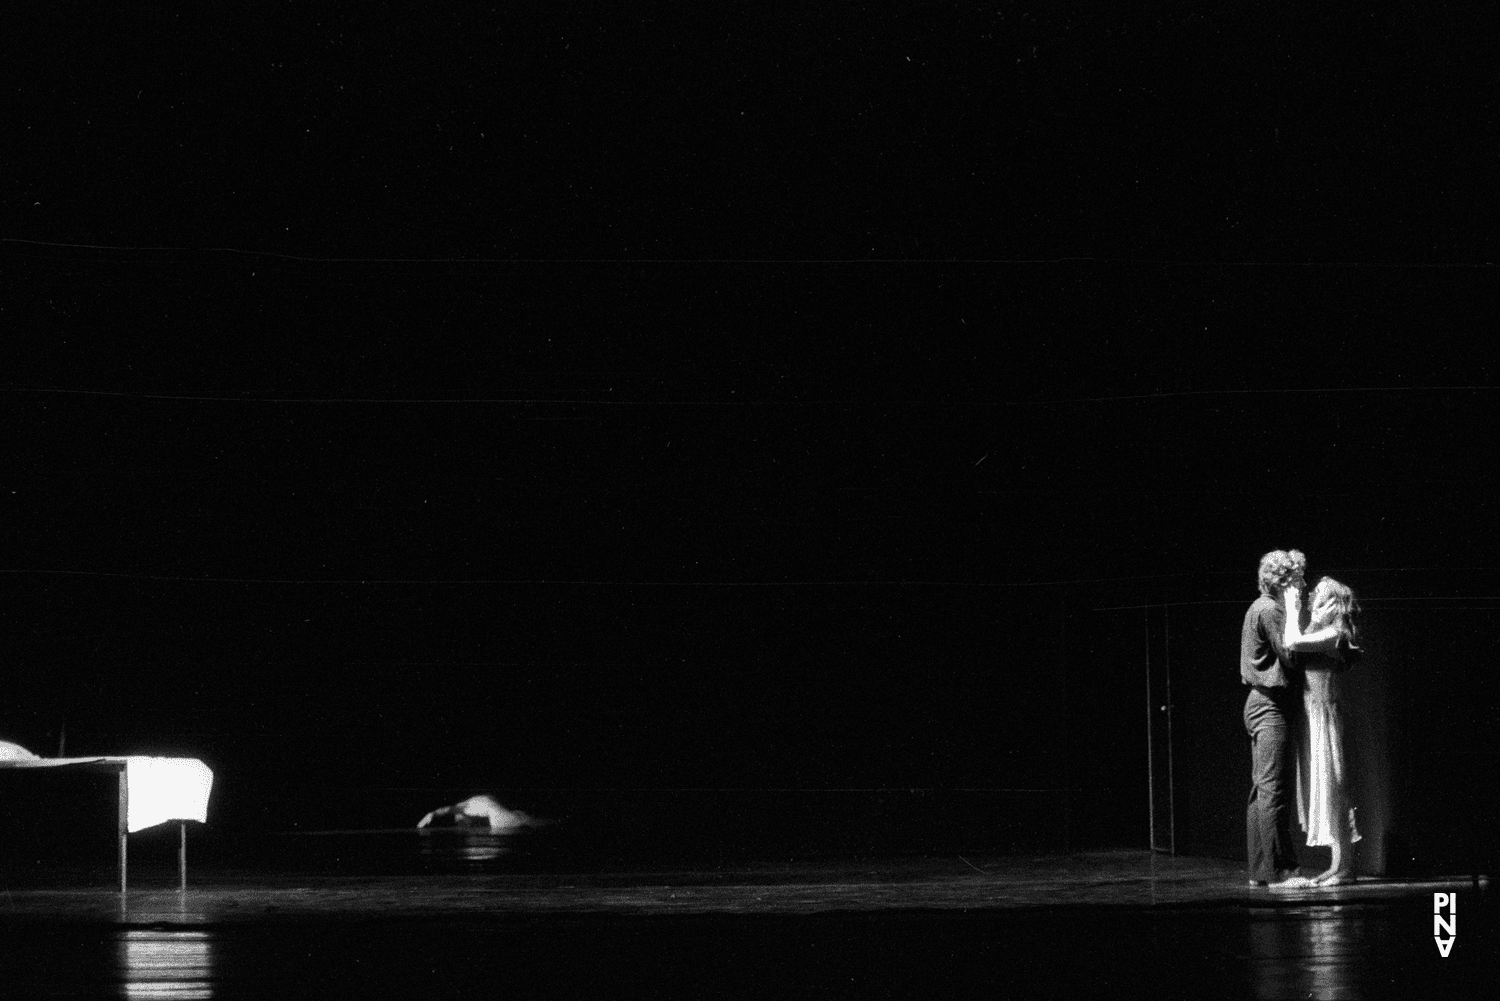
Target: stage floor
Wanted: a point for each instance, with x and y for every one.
(954, 883)
(1106, 924)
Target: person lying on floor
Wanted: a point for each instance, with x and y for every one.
(481, 809)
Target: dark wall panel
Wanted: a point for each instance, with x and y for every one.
(817, 686)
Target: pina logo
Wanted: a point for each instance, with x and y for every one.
(1444, 925)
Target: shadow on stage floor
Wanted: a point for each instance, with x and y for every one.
(395, 913)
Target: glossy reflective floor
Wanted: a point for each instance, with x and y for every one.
(393, 914)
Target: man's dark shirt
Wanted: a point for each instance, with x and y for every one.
(1264, 662)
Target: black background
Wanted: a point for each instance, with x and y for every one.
(739, 399)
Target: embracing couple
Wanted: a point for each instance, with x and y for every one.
(1292, 653)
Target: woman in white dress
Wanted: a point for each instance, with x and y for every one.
(1330, 646)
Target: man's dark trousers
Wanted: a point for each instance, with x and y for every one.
(1268, 820)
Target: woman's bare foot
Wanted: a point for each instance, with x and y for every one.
(1335, 877)
(1293, 883)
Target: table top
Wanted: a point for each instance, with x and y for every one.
(110, 763)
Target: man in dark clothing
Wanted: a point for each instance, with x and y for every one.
(1272, 710)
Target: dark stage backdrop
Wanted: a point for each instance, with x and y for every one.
(714, 399)
(619, 542)
(582, 685)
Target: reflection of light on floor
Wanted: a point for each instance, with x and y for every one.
(478, 847)
(1313, 954)
(166, 964)
(472, 847)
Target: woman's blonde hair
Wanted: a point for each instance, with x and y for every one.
(1344, 607)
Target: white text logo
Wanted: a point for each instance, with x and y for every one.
(1444, 925)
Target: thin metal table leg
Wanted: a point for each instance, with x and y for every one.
(121, 827)
(182, 856)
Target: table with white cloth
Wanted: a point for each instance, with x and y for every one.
(152, 791)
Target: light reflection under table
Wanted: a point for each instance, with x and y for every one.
(166, 964)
